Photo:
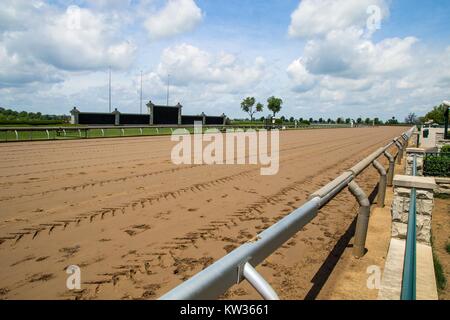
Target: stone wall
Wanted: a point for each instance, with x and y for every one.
(400, 211)
(420, 156)
(443, 186)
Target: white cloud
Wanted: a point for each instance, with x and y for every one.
(343, 68)
(74, 39)
(319, 17)
(18, 70)
(177, 17)
(188, 64)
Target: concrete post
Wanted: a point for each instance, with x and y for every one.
(117, 117)
(74, 118)
(420, 156)
(362, 223)
(382, 184)
(224, 119)
(424, 206)
(150, 107)
(179, 106)
(390, 173)
(203, 118)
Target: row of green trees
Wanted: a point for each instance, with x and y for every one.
(274, 104)
(8, 115)
(367, 121)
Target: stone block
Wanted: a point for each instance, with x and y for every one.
(404, 181)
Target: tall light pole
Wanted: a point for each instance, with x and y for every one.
(140, 102)
(109, 89)
(168, 85)
(446, 104)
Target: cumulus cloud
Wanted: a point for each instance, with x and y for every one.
(319, 17)
(18, 71)
(339, 45)
(177, 17)
(188, 64)
(40, 41)
(343, 67)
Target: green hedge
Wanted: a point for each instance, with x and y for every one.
(31, 122)
(437, 165)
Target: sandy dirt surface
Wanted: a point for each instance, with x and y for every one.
(138, 225)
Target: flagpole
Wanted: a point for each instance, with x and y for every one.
(109, 89)
(140, 102)
(168, 85)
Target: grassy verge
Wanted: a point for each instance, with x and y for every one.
(69, 133)
(441, 281)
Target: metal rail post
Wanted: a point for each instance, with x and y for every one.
(382, 184)
(390, 173)
(362, 223)
(259, 283)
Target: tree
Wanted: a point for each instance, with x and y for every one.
(247, 106)
(291, 119)
(392, 121)
(359, 121)
(367, 121)
(437, 115)
(411, 118)
(274, 105)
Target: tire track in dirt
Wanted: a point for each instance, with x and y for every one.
(101, 182)
(212, 231)
(153, 250)
(104, 212)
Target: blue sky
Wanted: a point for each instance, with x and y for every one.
(319, 56)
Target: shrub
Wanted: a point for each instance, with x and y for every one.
(437, 165)
(446, 149)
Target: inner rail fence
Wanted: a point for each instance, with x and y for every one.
(239, 265)
(409, 265)
(15, 134)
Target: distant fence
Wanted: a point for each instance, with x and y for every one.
(240, 264)
(134, 119)
(16, 134)
(190, 120)
(88, 118)
(157, 115)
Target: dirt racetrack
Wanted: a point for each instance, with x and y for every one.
(138, 225)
